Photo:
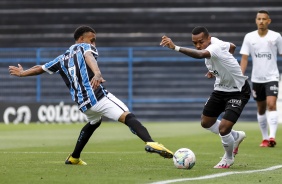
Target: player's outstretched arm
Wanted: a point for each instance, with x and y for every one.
(167, 42)
(20, 72)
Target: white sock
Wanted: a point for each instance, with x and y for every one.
(273, 123)
(262, 120)
(215, 129)
(228, 143)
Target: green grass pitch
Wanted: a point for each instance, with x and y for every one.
(36, 153)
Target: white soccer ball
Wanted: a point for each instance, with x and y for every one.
(184, 158)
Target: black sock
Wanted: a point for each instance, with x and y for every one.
(85, 133)
(138, 128)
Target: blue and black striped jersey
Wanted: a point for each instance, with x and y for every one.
(77, 75)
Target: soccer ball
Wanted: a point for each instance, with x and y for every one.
(184, 158)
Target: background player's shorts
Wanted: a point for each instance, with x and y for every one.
(262, 90)
(109, 106)
(232, 103)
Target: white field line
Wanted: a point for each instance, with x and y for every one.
(217, 175)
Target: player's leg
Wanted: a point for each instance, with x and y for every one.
(271, 99)
(235, 103)
(262, 121)
(85, 134)
(112, 108)
(238, 136)
(259, 95)
(227, 139)
(213, 108)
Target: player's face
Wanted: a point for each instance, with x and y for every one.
(262, 21)
(201, 41)
(88, 37)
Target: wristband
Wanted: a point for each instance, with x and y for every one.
(177, 48)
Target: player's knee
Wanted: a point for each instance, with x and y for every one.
(123, 117)
(205, 123)
(271, 107)
(129, 116)
(95, 124)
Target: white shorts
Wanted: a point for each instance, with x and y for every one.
(109, 106)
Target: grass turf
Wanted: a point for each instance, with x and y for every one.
(35, 154)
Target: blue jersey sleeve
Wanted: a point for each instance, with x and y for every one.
(53, 66)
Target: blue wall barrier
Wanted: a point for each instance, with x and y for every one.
(127, 55)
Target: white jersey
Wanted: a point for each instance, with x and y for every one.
(224, 67)
(264, 55)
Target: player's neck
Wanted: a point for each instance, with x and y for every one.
(262, 32)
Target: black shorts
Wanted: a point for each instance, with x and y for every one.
(232, 103)
(262, 90)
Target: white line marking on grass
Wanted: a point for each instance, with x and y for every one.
(217, 175)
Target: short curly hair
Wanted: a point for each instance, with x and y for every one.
(81, 30)
(200, 29)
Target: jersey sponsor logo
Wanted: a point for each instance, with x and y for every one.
(235, 102)
(274, 88)
(266, 55)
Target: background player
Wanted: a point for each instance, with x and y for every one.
(263, 44)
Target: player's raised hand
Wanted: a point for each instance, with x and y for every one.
(16, 70)
(167, 42)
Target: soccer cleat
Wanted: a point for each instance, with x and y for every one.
(271, 142)
(225, 163)
(154, 147)
(241, 137)
(264, 143)
(74, 161)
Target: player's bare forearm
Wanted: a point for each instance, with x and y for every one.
(195, 53)
(19, 72)
(167, 42)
